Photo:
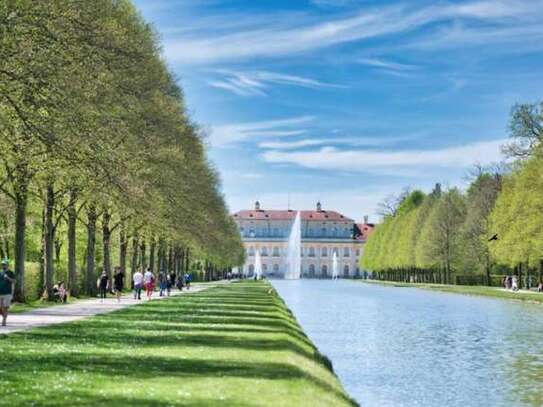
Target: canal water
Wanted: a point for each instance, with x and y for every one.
(394, 346)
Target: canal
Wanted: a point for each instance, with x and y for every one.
(393, 346)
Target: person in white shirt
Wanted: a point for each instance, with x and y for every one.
(149, 283)
(138, 284)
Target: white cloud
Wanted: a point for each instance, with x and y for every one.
(401, 162)
(459, 35)
(389, 65)
(280, 37)
(312, 142)
(222, 135)
(256, 82)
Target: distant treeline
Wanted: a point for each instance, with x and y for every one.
(100, 162)
(495, 226)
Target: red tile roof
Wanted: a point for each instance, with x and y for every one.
(287, 215)
(364, 230)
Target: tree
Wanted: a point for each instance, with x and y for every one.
(526, 128)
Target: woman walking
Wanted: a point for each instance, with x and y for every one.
(149, 283)
(103, 283)
(118, 283)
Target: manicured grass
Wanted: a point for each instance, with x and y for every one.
(469, 290)
(233, 345)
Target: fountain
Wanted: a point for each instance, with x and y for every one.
(294, 251)
(258, 266)
(335, 273)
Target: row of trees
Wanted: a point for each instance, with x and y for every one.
(496, 225)
(97, 148)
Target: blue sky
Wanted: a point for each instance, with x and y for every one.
(348, 101)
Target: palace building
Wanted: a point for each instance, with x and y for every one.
(323, 232)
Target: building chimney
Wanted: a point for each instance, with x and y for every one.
(319, 207)
(366, 219)
(257, 206)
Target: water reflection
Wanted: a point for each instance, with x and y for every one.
(407, 347)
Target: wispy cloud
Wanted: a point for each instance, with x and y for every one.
(330, 158)
(283, 38)
(380, 63)
(332, 141)
(254, 83)
(227, 134)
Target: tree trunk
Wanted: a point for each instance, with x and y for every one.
(160, 255)
(49, 239)
(21, 201)
(152, 255)
(106, 243)
(123, 248)
(143, 257)
(134, 262)
(170, 258)
(182, 261)
(487, 265)
(187, 261)
(91, 243)
(72, 265)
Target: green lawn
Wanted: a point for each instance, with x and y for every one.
(469, 290)
(233, 345)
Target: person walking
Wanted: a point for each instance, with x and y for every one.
(514, 284)
(149, 283)
(172, 279)
(188, 279)
(137, 278)
(118, 283)
(103, 284)
(162, 283)
(7, 285)
(180, 282)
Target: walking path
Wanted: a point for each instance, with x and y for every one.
(82, 309)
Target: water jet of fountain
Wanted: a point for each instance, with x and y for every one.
(258, 266)
(294, 250)
(335, 273)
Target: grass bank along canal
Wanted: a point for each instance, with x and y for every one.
(396, 346)
(233, 345)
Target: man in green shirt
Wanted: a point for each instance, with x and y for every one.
(7, 283)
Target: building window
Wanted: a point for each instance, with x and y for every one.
(324, 252)
(346, 252)
(264, 251)
(276, 232)
(311, 252)
(324, 270)
(323, 232)
(251, 251)
(264, 268)
(275, 252)
(334, 232)
(346, 271)
(276, 268)
(311, 270)
(358, 252)
(251, 269)
(252, 233)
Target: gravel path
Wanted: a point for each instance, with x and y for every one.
(81, 309)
